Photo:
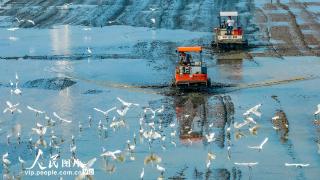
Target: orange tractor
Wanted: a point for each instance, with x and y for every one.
(191, 71)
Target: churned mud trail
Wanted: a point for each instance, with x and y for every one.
(311, 23)
(266, 30)
(298, 38)
(288, 29)
(281, 125)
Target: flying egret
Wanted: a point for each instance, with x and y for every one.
(249, 164)
(161, 169)
(84, 168)
(13, 29)
(61, 119)
(237, 125)
(12, 108)
(211, 156)
(19, 21)
(127, 104)
(153, 9)
(297, 165)
(251, 120)
(254, 110)
(41, 131)
(111, 154)
(123, 112)
(105, 113)
(31, 21)
(153, 20)
(172, 142)
(37, 111)
(151, 110)
(260, 146)
(210, 137)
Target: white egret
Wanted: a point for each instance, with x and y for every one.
(297, 165)
(60, 118)
(260, 146)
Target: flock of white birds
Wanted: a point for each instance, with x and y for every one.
(149, 131)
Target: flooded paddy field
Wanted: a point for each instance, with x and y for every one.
(79, 58)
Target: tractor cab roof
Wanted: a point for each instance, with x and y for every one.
(190, 49)
(228, 13)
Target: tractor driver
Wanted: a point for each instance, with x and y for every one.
(230, 24)
(185, 58)
(188, 59)
(182, 57)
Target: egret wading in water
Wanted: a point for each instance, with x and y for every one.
(317, 112)
(89, 51)
(142, 174)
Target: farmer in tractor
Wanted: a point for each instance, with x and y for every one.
(185, 58)
(182, 58)
(230, 24)
(188, 59)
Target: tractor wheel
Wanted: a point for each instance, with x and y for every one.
(209, 82)
(173, 83)
(245, 44)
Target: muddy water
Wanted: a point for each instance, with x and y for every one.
(125, 58)
(190, 111)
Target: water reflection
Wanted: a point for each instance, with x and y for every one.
(221, 112)
(61, 43)
(219, 173)
(230, 68)
(60, 40)
(191, 117)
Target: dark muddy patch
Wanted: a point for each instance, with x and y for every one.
(56, 83)
(72, 57)
(92, 91)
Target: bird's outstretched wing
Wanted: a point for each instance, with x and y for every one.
(5, 110)
(99, 110)
(9, 103)
(91, 162)
(111, 109)
(264, 141)
(60, 118)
